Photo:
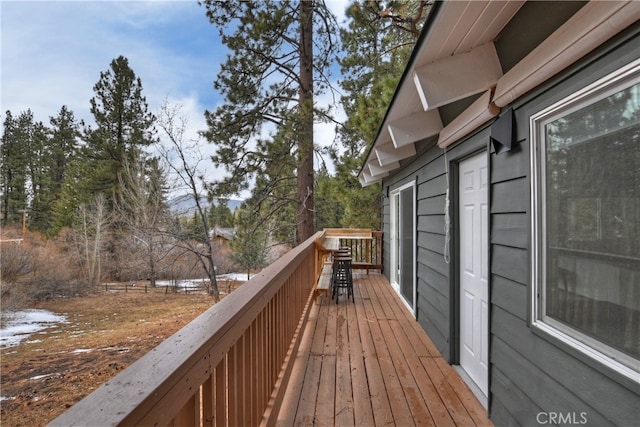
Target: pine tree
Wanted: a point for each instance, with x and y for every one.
(249, 243)
(26, 171)
(377, 43)
(64, 143)
(34, 163)
(329, 213)
(14, 154)
(123, 127)
(39, 166)
(269, 81)
(274, 193)
(64, 149)
(220, 215)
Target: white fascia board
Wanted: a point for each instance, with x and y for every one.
(412, 128)
(366, 179)
(362, 179)
(478, 113)
(388, 154)
(591, 26)
(376, 169)
(456, 77)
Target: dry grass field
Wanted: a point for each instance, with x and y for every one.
(104, 334)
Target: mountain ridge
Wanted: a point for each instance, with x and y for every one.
(185, 204)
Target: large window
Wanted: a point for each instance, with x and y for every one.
(586, 220)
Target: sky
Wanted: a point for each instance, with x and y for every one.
(52, 53)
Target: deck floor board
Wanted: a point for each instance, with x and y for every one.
(369, 362)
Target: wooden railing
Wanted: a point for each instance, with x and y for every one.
(365, 246)
(228, 367)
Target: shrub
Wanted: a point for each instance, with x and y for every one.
(15, 260)
(37, 270)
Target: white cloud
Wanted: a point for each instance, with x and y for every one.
(338, 8)
(36, 72)
(52, 53)
(324, 133)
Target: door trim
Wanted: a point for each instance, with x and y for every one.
(393, 242)
(454, 268)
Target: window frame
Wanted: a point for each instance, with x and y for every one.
(608, 356)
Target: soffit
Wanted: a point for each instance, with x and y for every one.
(458, 28)
(456, 61)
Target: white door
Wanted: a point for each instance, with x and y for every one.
(474, 290)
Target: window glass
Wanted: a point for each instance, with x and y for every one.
(590, 176)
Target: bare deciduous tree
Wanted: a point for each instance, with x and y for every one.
(184, 160)
(142, 210)
(92, 221)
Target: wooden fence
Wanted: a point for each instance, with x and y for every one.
(184, 287)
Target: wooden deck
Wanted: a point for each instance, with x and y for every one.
(369, 363)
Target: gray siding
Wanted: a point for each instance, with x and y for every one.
(548, 379)
(434, 282)
(530, 372)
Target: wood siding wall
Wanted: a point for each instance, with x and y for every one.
(530, 373)
(434, 302)
(533, 373)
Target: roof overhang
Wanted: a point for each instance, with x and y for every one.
(455, 58)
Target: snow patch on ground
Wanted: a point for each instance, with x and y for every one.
(20, 325)
(199, 283)
(40, 377)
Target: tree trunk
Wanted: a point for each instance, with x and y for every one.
(304, 196)
(214, 291)
(153, 276)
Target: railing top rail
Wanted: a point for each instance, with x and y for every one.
(347, 233)
(126, 398)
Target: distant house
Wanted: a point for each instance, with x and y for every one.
(221, 237)
(222, 234)
(509, 160)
